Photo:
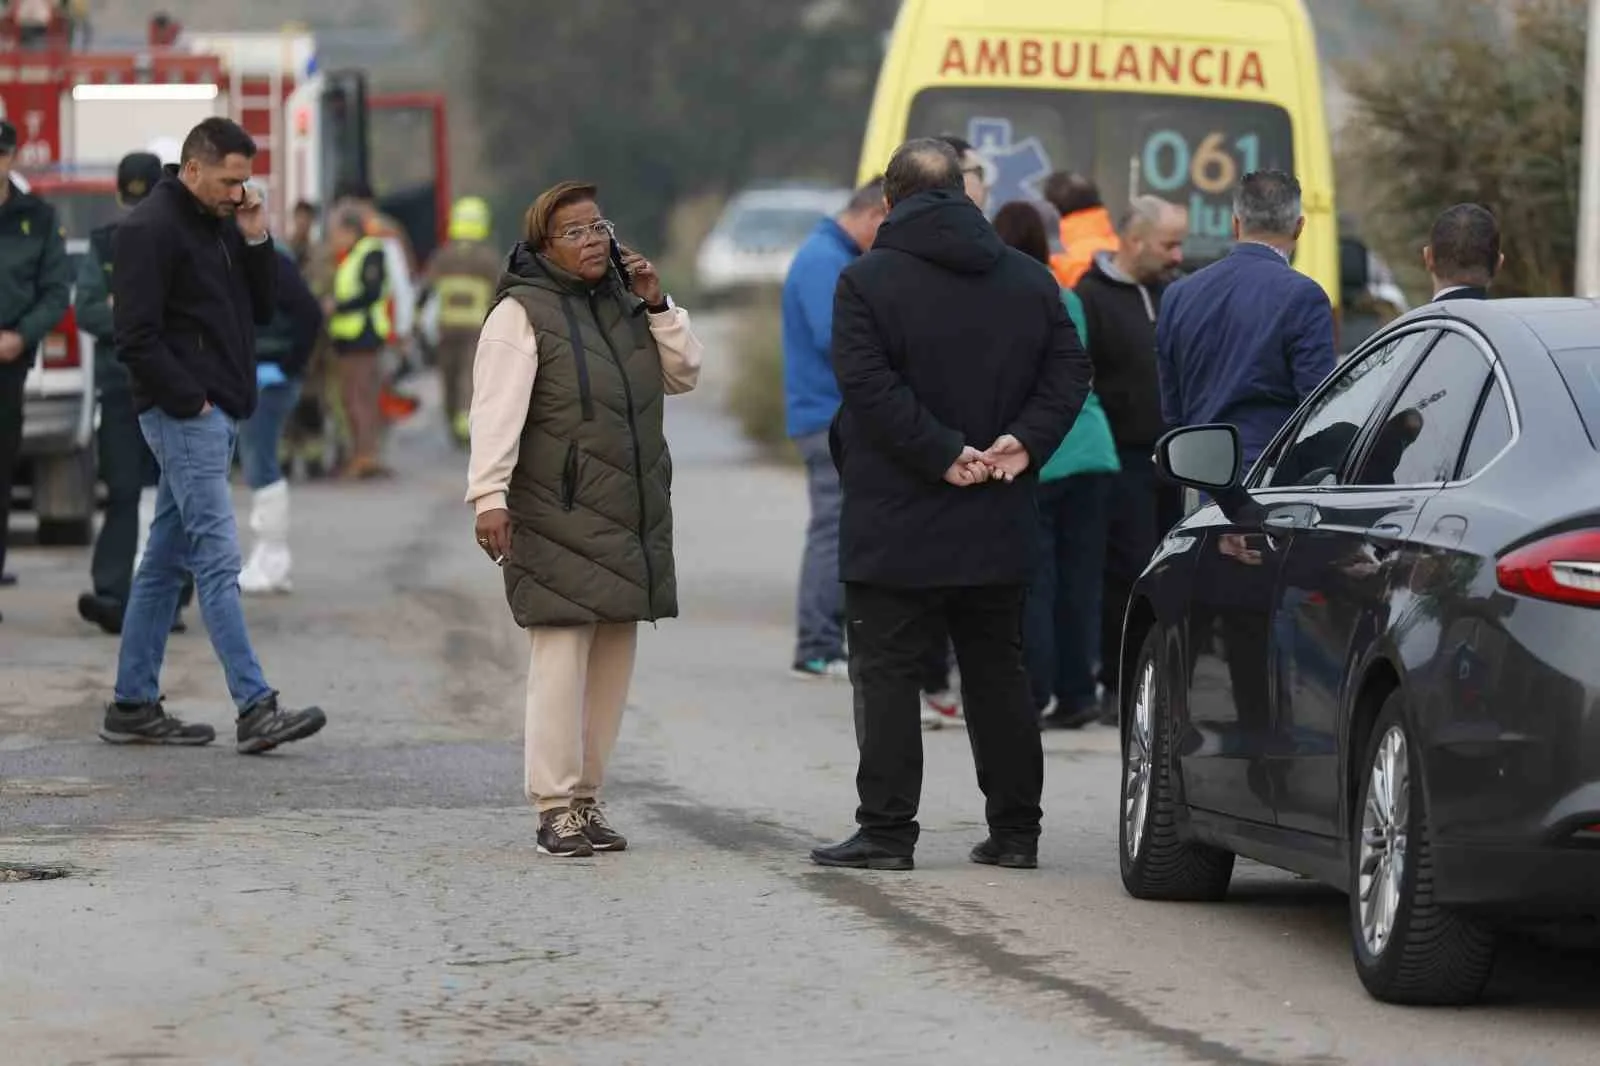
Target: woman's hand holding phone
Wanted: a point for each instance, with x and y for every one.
(642, 277)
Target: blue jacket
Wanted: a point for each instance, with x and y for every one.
(810, 388)
(1243, 341)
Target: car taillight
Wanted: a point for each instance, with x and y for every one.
(60, 348)
(1564, 568)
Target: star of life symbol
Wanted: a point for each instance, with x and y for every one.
(1016, 168)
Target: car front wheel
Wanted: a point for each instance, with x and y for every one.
(1157, 861)
(1408, 949)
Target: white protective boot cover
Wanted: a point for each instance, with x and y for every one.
(268, 568)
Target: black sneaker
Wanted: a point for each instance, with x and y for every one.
(596, 829)
(562, 836)
(266, 725)
(1011, 856)
(149, 723)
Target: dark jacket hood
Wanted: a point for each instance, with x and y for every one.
(526, 267)
(943, 228)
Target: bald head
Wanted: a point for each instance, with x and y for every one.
(923, 165)
(1151, 234)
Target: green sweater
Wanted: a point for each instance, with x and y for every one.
(1089, 447)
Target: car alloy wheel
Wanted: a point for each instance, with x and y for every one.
(1137, 763)
(1408, 948)
(1159, 859)
(1386, 813)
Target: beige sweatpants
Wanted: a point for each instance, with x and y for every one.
(577, 687)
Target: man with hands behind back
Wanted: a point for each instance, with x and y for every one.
(960, 374)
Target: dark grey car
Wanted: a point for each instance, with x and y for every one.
(1376, 661)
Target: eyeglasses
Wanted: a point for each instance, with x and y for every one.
(600, 229)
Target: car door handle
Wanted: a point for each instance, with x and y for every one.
(1283, 523)
(1385, 537)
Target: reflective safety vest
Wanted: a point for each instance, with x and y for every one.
(348, 326)
(463, 300)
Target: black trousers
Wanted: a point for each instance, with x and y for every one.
(12, 375)
(1134, 530)
(891, 630)
(126, 466)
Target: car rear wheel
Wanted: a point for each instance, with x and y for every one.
(1408, 949)
(1157, 862)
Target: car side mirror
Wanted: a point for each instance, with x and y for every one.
(1201, 457)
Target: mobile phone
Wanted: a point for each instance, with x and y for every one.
(616, 261)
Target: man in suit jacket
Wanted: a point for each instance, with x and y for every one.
(1245, 340)
(1463, 253)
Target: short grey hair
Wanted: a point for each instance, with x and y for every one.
(1267, 202)
(1143, 212)
(922, 165)
(867, 198)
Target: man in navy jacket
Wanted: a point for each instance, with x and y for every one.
(1245, 340)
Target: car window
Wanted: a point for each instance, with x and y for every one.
(1580, 369)
(1491, 434)
(1425, 429)
(1332, 423)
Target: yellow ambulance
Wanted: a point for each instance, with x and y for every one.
(1176, 98)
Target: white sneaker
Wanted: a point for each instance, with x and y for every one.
(945, 706)
(822, 670)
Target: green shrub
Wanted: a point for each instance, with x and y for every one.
(755, 395)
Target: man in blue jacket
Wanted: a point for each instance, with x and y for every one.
(1245, 340)
(812, 399)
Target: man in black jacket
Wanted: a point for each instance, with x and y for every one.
(1121, 296)
(194, 273)
(126, 465)
(945, 342)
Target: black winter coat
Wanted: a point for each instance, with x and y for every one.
(189, 294)
(944, 337)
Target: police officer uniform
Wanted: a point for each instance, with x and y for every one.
(126, 465)
(35, 287)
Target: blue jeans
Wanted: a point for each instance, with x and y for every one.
(260, 434)
(1061, 623)
(193, 531)
(820, 614)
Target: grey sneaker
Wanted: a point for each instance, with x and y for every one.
(561, 835)
(596, 829)
(266, 725)
(149, 723)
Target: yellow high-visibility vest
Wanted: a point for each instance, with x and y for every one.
(463, 300)
(350, 325)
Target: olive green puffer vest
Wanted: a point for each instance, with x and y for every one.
(590, 499)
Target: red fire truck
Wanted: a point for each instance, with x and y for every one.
(77, 112)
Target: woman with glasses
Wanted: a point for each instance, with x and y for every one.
(571, 479)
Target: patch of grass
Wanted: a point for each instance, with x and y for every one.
(755, 396)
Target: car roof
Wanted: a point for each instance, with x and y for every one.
(1560, 323)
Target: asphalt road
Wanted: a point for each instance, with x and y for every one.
(373, 895)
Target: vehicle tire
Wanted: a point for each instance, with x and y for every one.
(1157, 861)
(65, 532)
(1407, 948)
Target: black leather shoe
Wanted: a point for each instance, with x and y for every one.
(102, 611)
(1011, 856)
(862, 853)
